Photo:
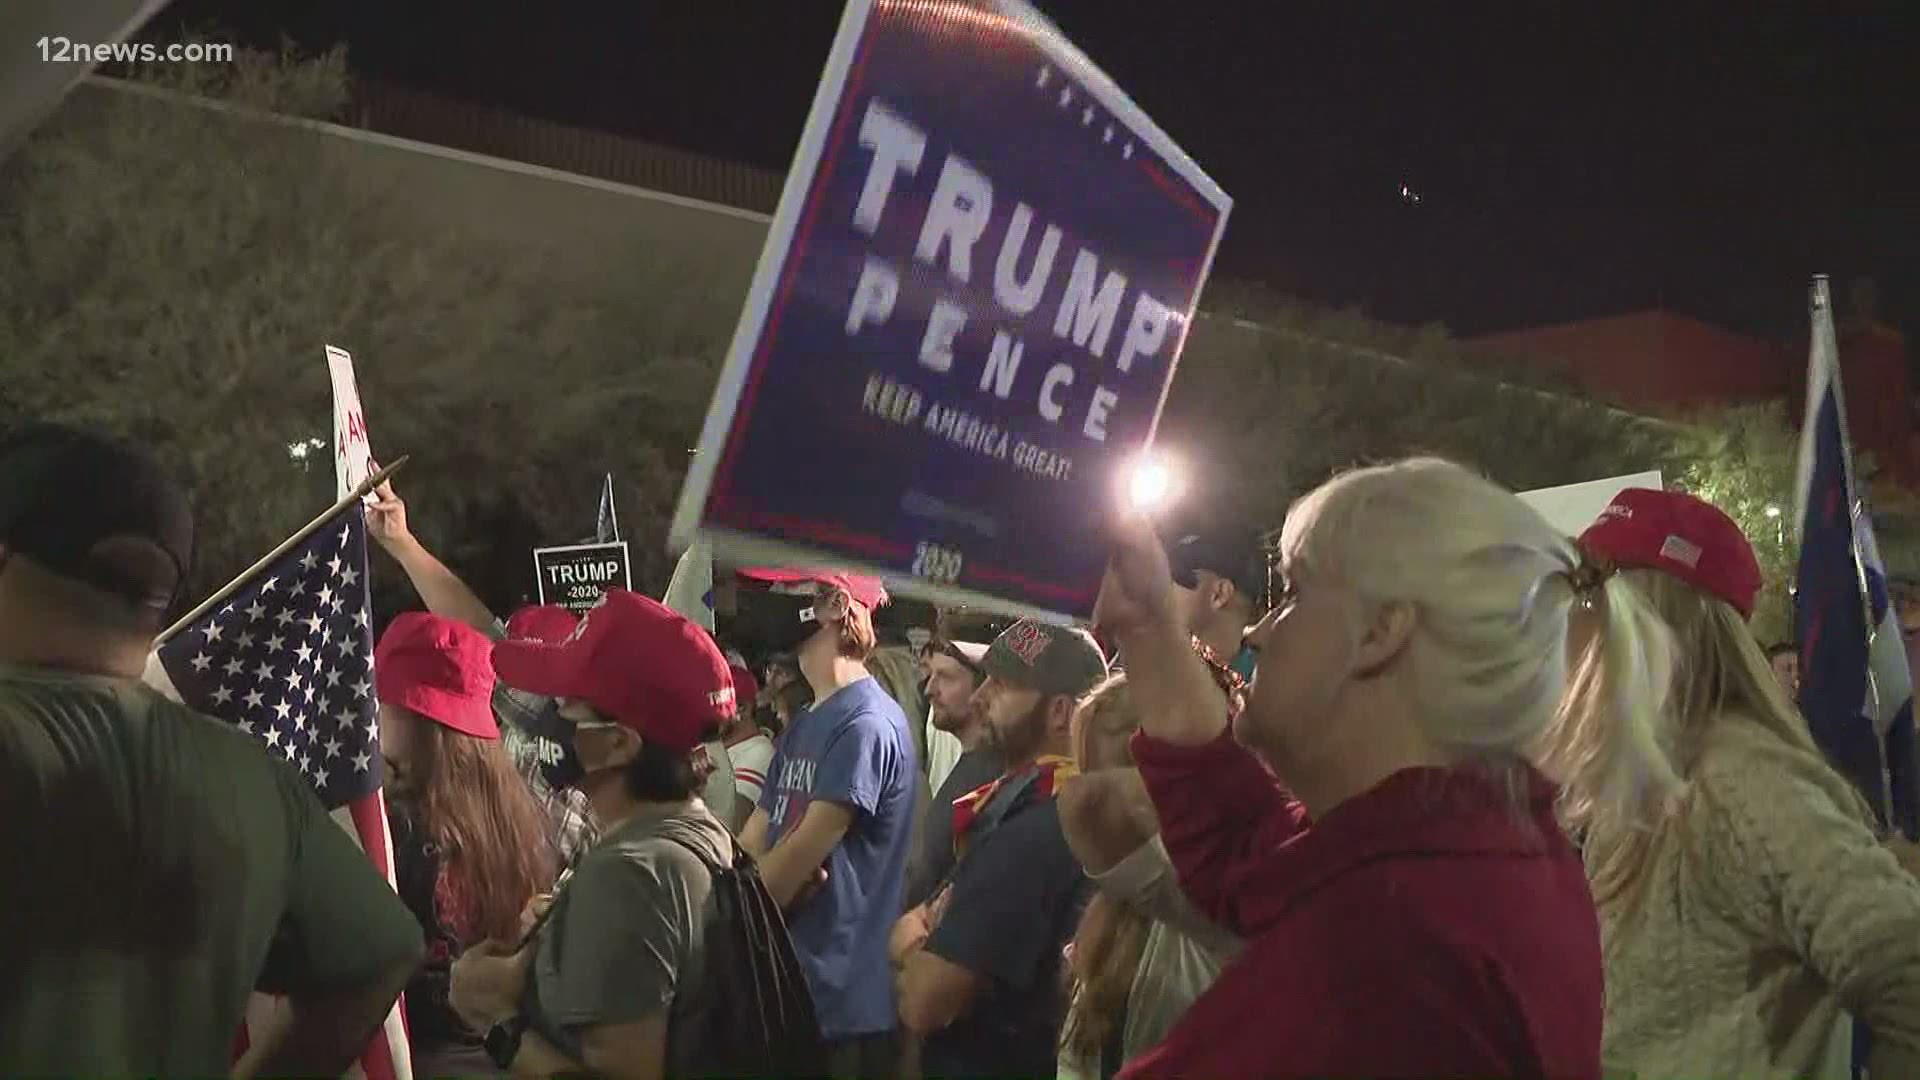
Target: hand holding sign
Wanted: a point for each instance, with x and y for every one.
(966, 319)
(387, 518)
(1137, 594)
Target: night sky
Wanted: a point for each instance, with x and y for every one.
(1601, 159)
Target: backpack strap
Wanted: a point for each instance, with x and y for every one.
(768, 980)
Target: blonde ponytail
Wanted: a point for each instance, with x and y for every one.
(1606, 746)
(1718, 675)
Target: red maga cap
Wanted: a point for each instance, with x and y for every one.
(438, 668)
(746, 688)
(542, 622)
(868, 592)
(1681, 535)
(636, 661)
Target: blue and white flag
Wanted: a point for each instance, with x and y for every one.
(1855, 686)
(690, 592)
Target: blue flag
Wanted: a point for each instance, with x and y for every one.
(1855, 688)
(606, 524)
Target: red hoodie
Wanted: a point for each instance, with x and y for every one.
(1422, 929)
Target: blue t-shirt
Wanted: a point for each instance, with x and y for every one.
(853, 749)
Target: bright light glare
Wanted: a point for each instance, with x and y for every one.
(1152, 485)
(1773, 511)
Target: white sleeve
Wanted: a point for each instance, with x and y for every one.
(943, 752)
(750, 763)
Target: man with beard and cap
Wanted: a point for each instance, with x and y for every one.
(954, 673)
(834, 824)
(978, 966)
(159, 865)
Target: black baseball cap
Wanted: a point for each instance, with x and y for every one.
(1233, 553)
(64, 492)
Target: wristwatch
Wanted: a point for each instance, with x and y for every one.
(503, 1041)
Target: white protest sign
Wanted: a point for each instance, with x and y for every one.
(1572, 507)
(352, 453)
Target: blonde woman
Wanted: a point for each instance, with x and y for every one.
(1410, 905)
(1744, 919)
(1141, 954)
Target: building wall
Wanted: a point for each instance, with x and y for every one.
(1880, 411)
(581, 228)
(1655, 360)
(1668, 364)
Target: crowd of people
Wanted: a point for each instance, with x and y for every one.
(1419, 787)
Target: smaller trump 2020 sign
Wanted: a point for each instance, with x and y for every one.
(576, 577)
(965, 320)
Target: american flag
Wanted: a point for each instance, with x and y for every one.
(288, 659)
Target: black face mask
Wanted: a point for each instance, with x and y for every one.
(784, 622)
(559, 762)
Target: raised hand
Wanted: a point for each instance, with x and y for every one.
(387, 517)
(1138, 593)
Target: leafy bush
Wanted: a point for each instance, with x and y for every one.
(171, 274)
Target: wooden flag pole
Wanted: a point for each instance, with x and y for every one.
(359, 492)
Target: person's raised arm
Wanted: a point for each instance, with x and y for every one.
(345, 949)
(1178, 700)
(1221, 811)
(441, 589)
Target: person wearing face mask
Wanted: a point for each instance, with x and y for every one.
(662, 953)
(786, 692)
(445, 593)
(471, 847)
(835, 822)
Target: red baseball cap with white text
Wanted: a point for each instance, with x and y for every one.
(639, 662)
(1690, 538)
(868, 592)
(542, 622)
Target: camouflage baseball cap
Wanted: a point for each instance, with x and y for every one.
(1050, 659)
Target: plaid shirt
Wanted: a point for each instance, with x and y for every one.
(574, 830)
